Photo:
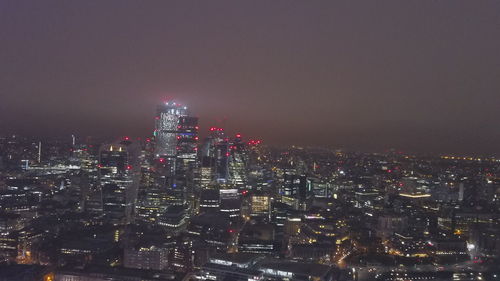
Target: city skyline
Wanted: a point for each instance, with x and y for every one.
(420, 77)
(249, 140)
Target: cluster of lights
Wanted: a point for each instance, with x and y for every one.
(469, 158)
(254, 142)
(420, 195)
(174, 104)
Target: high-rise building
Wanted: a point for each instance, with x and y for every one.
(222, 164)
(215, 155)
(172, 165)
(206, 173)
(172, 127)
(167, 130)
(296, 190)
(260, 205)
(237, 162)
(187, 158)
(187, 139)
(115, 178)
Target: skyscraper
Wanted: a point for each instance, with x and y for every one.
(187, 141)
(296, 190)
(167, 129)
(215, 151)
(115, 178)
(237, 162)
(187, 158)
(166, 138)
(173, 161)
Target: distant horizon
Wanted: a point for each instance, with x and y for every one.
(107, 139)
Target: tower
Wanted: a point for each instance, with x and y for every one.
(237, 162)
(187, 142)
(115, 177)
(172, 163)
(187, 157)
(166, 130)
(215, 155)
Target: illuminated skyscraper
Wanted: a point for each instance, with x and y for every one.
(222, 169)
(187, 141)
(296, 190)
(187, 158)
(166, 137)
(115, 177)
(167, 128)
(215, 151)
(174, 159)
(237, 162)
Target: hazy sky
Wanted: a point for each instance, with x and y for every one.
(370, 75)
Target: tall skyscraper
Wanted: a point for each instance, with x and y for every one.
(172, 164)
(187, 142)
(167, 129)
(215, 153)
(187, 158)
(166, 138)
(115, 178)
(237, 162)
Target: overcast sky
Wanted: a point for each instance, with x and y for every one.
(370, 75)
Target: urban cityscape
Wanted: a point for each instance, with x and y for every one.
(174, 207)
(249, 140)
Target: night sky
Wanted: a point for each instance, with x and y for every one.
(419, 76)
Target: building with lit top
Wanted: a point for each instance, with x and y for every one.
(237, 162)
(174, 162)
(166, 129)
(115, 177)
